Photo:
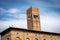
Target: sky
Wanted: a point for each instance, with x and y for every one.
(13, 14)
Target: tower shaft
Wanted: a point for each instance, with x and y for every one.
(33, 19)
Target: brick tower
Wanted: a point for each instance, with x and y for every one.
(33, 19)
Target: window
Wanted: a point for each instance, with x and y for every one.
(30, 17)
(36, 39)
(27, 39)
(17, 38)
(27, 33)
(7, 38)
(44, 39)
(35, 16)
(17, 33)
(36, 35)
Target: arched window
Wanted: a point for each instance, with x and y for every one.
(27, 39)
(36, 39)
(17, 38)
(7, 38)
(44, 39)
(35, 16)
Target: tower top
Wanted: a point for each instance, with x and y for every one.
(33, 8)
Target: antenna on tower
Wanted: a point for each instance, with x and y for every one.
(11, 26)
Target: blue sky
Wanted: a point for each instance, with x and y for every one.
(13, 12)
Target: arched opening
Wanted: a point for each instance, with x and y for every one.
(36, 38)
(7, 38)
(27, 39)
(44, 39)
(17, 38)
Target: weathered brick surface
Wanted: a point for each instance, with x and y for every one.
(31, 35)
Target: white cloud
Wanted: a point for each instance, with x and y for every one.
(50, 22)
(15, 23)
(13, 10)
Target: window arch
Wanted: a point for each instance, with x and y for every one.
(36, 39)
(27, 39)
(17, 38)
(7, 38)
(44, 39)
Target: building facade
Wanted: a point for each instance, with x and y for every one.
(33, 32)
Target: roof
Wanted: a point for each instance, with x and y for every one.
(27, 30)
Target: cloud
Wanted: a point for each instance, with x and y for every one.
(45, 4)
(10, 17)
(12, 13)
(2, 10)
(13, 10)
(50, 22)
(15, 23)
